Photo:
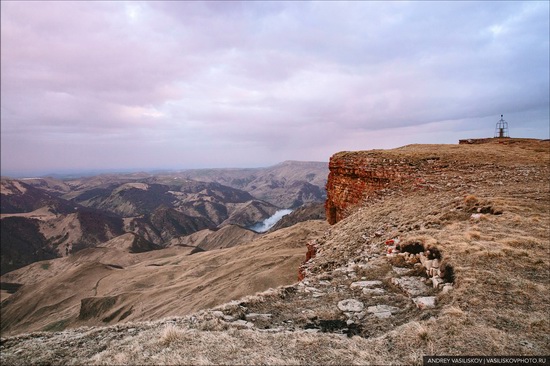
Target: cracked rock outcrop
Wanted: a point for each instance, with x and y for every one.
(356, 177)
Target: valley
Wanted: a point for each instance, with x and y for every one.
(44, 218)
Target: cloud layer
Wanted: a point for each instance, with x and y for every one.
(137, 85)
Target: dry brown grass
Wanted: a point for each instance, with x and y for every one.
(149, 284)
(171, 334)
(472, 235)
(499, 305)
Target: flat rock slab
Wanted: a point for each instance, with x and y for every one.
(243, 323)
(412, 285)
(365, 284)
(310, 289)
(400, 270)
(351, 305)
(256, 316)
(382, 311)
(374, 291)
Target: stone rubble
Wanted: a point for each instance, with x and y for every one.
(382, 311)
(425, 302)
(365, 284)
(374, 291)
(344, 299)
(350, 305)
(256, 316)
(411, 285)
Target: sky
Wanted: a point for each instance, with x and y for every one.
(115, 85)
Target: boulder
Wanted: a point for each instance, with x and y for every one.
(425, 302)
(447, 288)
(350, 305)
(412, 285)
(382, 311)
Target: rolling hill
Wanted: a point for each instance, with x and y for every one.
(43, 218)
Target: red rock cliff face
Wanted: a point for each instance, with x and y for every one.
(354, 177)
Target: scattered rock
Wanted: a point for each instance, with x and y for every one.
(412, 285)
(256, 316)
(526, 344)
(373, 291)
(447, 288)
(243, 323)
(382, 311)
(400, 270)
(351, 305)
(425, 302)
(310, 289)
(366, 284)
(436, 281)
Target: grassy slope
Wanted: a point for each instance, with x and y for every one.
(152, 284)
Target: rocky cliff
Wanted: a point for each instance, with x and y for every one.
(356, 177)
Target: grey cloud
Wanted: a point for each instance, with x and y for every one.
(182, 77)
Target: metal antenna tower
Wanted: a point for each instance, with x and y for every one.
(501, 129)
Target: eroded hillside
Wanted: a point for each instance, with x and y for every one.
(111, 284)
(289, 184)
(369, 294)
(44, 218)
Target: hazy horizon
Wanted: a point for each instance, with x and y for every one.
(83, 172)
(133, 86)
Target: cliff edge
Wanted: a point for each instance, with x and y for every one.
(358, 177)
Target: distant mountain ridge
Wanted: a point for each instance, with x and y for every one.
(289, 184)
(43, 218)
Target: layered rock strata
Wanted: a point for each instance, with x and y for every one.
(355, 177)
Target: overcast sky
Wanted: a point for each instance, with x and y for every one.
(139, 85)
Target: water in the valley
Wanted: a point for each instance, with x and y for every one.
(263, 226)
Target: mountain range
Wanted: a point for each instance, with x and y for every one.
(44, 218)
